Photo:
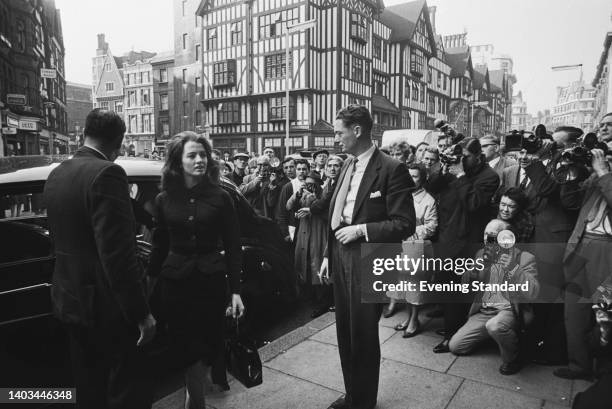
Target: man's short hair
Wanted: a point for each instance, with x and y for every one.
(356, 115)
(302, 162)
(263, 160)
(573, 132)
(489, 140)
(288, 159)
(104, 125)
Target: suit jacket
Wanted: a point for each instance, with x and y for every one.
(390, 217)
(503, 163)
(97, 279)
(262, 198)
(553, 222)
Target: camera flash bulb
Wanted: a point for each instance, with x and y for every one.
(506, 239)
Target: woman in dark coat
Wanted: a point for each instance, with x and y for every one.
(193, 213)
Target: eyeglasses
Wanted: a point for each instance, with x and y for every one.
(601, 125)
(488, 144)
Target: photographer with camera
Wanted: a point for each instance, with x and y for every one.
(260, 188)
(605, 129)
(464, 189)
(536, 175)
(284, 218)
(588, 256)
(500, 315)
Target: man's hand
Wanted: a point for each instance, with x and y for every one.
(324, 271)
(505, 260)
(600, 164)
(457, 169)
(237, 306)
(147, 330)
(287, 238)
(349, 234)
(303, 212)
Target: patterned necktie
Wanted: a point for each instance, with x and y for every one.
(525, 182)
(341, 197)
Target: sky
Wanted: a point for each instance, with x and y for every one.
(537, 34)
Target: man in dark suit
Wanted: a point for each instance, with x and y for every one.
(497, 161)
(98, 289)
(371, 203)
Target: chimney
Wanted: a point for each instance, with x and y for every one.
(101, 42)
(432, 17)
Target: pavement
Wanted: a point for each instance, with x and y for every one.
(302, 370)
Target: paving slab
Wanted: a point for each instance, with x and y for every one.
(279, 391)
(328, 335)
(474, 395)
(285, 342)
(312, 361)
(404, 386)
(550, 405)
(533, 380)
(416, 351)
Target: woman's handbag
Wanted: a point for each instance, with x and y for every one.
(243, 360)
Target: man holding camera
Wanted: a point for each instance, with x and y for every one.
(499, 314)
(465, 188)
(260, 188)
(286, 219)
(587, 258)
(491, 150)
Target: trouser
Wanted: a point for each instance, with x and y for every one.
(357, 328)
(579, 321)
(109, 371)
(455, 305)
(500, 326)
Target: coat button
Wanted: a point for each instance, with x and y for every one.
(193, 237)
(192, 200)
(190, 218)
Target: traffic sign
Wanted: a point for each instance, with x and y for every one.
(48, 73)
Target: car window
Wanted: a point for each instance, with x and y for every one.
(21, 205)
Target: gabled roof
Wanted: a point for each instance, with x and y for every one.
(402, 19)
(458, 58)
(132, 57)
(383, 104)
(478, 79)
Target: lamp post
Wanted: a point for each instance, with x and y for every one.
(291, 29)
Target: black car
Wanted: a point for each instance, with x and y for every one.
(31, 338)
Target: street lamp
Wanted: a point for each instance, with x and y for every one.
(291, 29)
(475, 104)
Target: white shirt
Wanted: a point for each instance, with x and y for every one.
(493, 162)
(360, 167)
(297, 184)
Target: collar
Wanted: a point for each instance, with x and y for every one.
(97, 150)
(419, 195)
(364, 158)
(493, 162)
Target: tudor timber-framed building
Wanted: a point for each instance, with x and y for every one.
(388, 59)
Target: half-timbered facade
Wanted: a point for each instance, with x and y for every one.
(461, 77)
(482, 115)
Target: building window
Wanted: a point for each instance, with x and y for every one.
(132, 124)
(184, 75)
(163, 99)
(147, 77)
(429, 75)
(131, 99)
(211, 36)
(357, 69)
(107, 66)
(146, 123)
(119, 107)
(163, 75)
(431, 106)
(197, 51)
(347, 65)
(415, 92)
(197, 85)
(439, 82)
(165, 126)
(224, 73)
(198, 118)
(237, 33)
(183, 4)
(379, 87)
(104, 105)
(359, 28)
(376, 47)
(423, 93)
(366, 80)
(384, 51)
(127, 79)
(110, 86)
(145, 99)
(406, 90)
(228, 113)
(275, 65)
(416, 62)
(445, 80)
(185, 107)
(184, 41)
(198, 21)
(274, 24)
(277, 109)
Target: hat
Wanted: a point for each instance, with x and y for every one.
(472, 145)
(489, 140)
(315, 175)
(314, 155)
(241, 155)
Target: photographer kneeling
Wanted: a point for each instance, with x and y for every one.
(494, 313)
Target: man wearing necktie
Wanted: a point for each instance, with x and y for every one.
(372, 202)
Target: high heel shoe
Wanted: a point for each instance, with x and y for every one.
(401, 326)
(415, 331)
(389, 312)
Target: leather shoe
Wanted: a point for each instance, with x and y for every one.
(567, 373)
(339, 403)
(510, 368)
(442, 347)
(410, 334)
(401, 326)
(390, 312)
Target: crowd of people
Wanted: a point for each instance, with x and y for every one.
(450, 199)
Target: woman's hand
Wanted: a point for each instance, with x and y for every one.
(237, 306)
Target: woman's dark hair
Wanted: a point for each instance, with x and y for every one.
(517, 196)
(356, 115)
(172, 172)
(422, 170)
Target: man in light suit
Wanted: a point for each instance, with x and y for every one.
(98, 287)
(372, 202)
(497, 161)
